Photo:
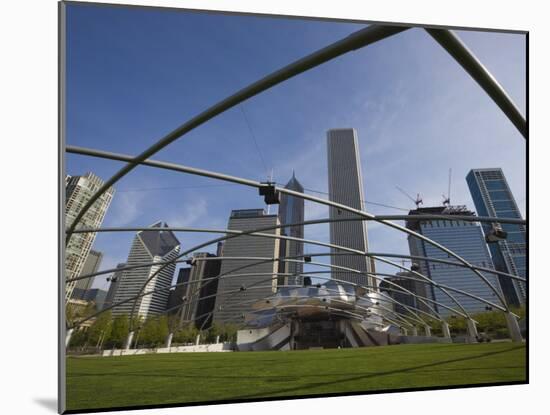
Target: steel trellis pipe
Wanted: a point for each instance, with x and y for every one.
(254, 232)
(253, 286)
(352, 42)
(285, 237)
(247, 182)
(232, 293)
(376, 276)
(193, 299)
(400, 290)
(142, 294)
(424, 279)
(427, 280)
(356, 285)
(405, 230)
(464, 56)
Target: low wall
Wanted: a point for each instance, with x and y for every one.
(216, 347)
(424, 339)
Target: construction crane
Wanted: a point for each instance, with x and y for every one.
(417, 201)
(447, 199)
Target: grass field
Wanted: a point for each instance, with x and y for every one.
(96, 382)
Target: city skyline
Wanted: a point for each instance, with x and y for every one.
(406, 115)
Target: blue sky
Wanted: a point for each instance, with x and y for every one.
(135, 74)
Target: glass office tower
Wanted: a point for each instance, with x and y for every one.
(492, 197)
(464, 238)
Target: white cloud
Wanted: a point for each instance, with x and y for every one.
(125, 208)
(193, 211)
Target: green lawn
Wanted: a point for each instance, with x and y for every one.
(99, 382)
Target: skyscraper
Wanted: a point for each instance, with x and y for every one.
(201, 274)
(492, 197)
(148, 246)
(90, 266)
(176, 295)
(96, 295)
(404, 280)
(80, 189)
(466, 240)
(345, 186)
(207, 294)
(236, 294)
(113, 286)
(291, 210)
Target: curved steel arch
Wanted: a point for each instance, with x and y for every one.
(142, 294)
(235, 233)
(194, 299)
(397, 265)
(418, 319)
(359, 39)
(328, 289)
(376, 276)
(401, 289)
(252, 183)
(425, 280)
(259, 299)
(273, 259)
(352, 42)
(318, 297)
(450, 42)
(460, 52)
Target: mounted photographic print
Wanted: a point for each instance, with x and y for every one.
(260, 207)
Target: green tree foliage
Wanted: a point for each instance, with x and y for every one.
(100, 331)
(229, 333)
(119, 332)
(213, 332)
(78, 339)
(186, 334)
(492, 323)
(153, 332)
(75, 312)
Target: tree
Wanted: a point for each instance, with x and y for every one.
(101, 329)
(229, 333)
(78, 338)
(186, 334)
(154, 331)
(213, 332)
(119, 332)
(457, 325)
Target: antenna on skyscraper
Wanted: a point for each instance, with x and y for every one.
(418, 201)
(447, 199)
